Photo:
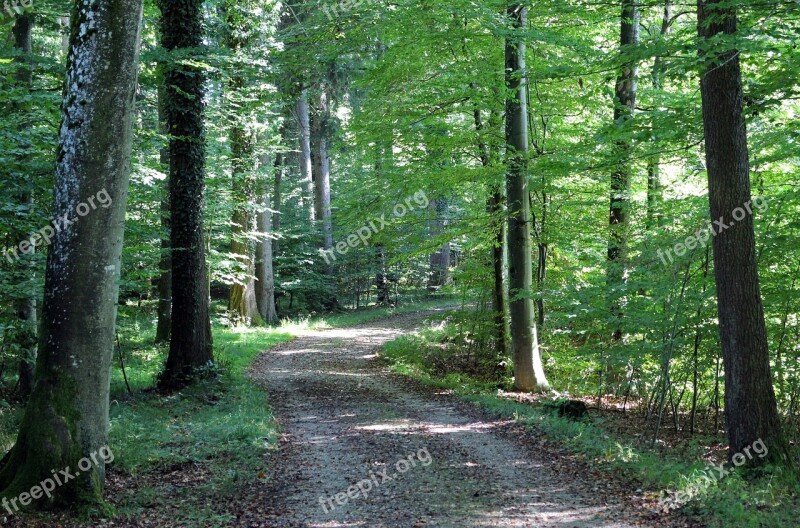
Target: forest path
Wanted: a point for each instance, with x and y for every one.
(347, 421)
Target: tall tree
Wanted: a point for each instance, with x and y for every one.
(655, 191)
(624, 106)
(751, 411)
(264, 268)
(528, 371)
(66, 418)
(238, 36)
(320, 132)
(191, 345)
(304, 125)
(439, 260)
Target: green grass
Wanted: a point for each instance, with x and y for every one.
(217, 430)
(766, 500)
(220, 428)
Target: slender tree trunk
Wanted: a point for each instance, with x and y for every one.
(494, 207)
(440, 259)
(624, 105)
(655, 189)
(528, 370)
(191, 346)
(25, 306)
(322, 174)
(265, 274)
(281, 163)
(66, 418)
(304, 126)
(63, 21)
(751, 411)
(165, 262)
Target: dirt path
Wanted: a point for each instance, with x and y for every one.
(420, 458)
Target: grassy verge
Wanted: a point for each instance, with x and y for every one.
(765, 500)
(218, 430)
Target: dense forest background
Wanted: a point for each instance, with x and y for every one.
(357, 154)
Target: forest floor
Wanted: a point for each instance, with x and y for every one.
(347, 425)
(360, 446)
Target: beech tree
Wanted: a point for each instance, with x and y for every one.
(67, 416)
(528, 371)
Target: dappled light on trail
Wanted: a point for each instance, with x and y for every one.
(348, 425)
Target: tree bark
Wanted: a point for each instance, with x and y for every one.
(243, 292)
(495, 209)
(281, 162)
(322, 174)
(751, 411)
(265, 275)
(655, 190)
(66, 418)
(304, 125)
(624, 106)
(191, 347)
(439, 260)
(528, 370)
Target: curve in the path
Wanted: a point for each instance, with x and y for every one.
(348, 424)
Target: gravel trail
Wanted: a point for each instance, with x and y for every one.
(421, 458)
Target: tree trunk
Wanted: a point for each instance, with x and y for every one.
(304, 125)
(495, 209)
(191, 343)
(655, 189)
(265, 275)
(751, 411)
(624, 106)
(528, 370)
(66, 418)
(281, 162)
(322, 174)
(165, 262)
(440, 259)
(243, 292)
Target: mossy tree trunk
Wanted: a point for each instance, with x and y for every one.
(238, 35)
(243, 293)
(191, 347)
(66, 418)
